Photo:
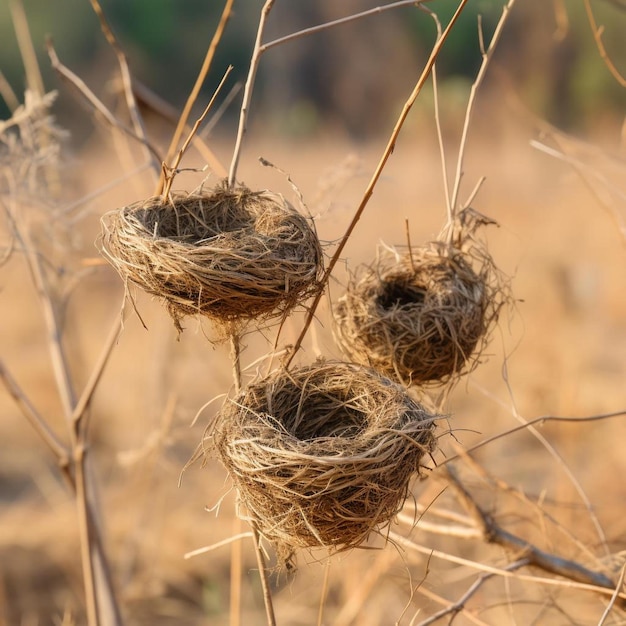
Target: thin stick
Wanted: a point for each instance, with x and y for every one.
(204, 70)
(459, 605)
(236, 567)
(528, 424)
(247, 93)
(34, 417)
(551, 563)
(343, 20)
(541, 580)
(260, 48)
(370, 188)
(472, 99)
(234, 539)
(7, 93)
(442, 152)
(194, 130)
(27, 50)
(408, 242)
(614, 597)
(235, 352)
(597, 35)
(93, 100)
(127, 83)
(324, 594)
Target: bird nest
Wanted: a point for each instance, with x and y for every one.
(230, 254)
(423, 318)
(322, 455)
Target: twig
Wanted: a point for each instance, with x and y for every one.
(614, 597)
(528, 424)
(7, 93)
(184, 117)
(127, 83)
(551, 563)
(34, 417)
(459, 605)
(260, 48)
(542, 580)
(324, 594)
(442, 151)
(234, 539)
(597, 35)
(370, 188)
(470, 104)
(169, 178)
(93, 100)
(247, 93)
(235, 353)
(339, 22)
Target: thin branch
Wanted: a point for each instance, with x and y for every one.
(493, 533)
(215, 546)
(527, 425)
(247, 92)
(472, 99)
(597, 35)
(614, 597)
(459, 605)
(174, 168)
(127, 83)
(267, 592)
(377, 173)
(34, 417)
(79, 84)
(344, 20)
(541, 580)
(193, 96)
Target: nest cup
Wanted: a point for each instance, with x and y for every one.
(230, 254)
(424, 319)
(322, 456)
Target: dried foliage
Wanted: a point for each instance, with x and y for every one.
(423, 317)
(231, 254)
(322, 455)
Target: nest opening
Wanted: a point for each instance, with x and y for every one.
(322, 456)
(231, 254)
(424, 319)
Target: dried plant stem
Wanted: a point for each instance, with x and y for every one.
(267, 592)
(204, 70)
(324, 594)
(472, 99)
(493, 533)
(94, 101)
(459, 605)
(260, 48)
(171, 171)
(247, 92)
(597, 35)
(127, 83)
(236, 560)
(379, 169)
(235, 353)
(614, 597)
(339, 22)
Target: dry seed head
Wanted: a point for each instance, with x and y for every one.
(230, 254)
(322, 456)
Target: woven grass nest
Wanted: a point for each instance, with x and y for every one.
(422, 319)
(322, 455)
(230, 254)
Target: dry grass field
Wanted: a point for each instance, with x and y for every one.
(559, 349)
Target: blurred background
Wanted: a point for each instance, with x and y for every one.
(353, 77)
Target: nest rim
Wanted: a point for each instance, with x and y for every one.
(423, 317)
(233, 255)
(322, 455)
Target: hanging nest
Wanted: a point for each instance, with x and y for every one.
(230, 254)
(322, 455)
(425, 317)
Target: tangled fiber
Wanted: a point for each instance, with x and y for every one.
(423, 319)
(322, 455)
(230, 254)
